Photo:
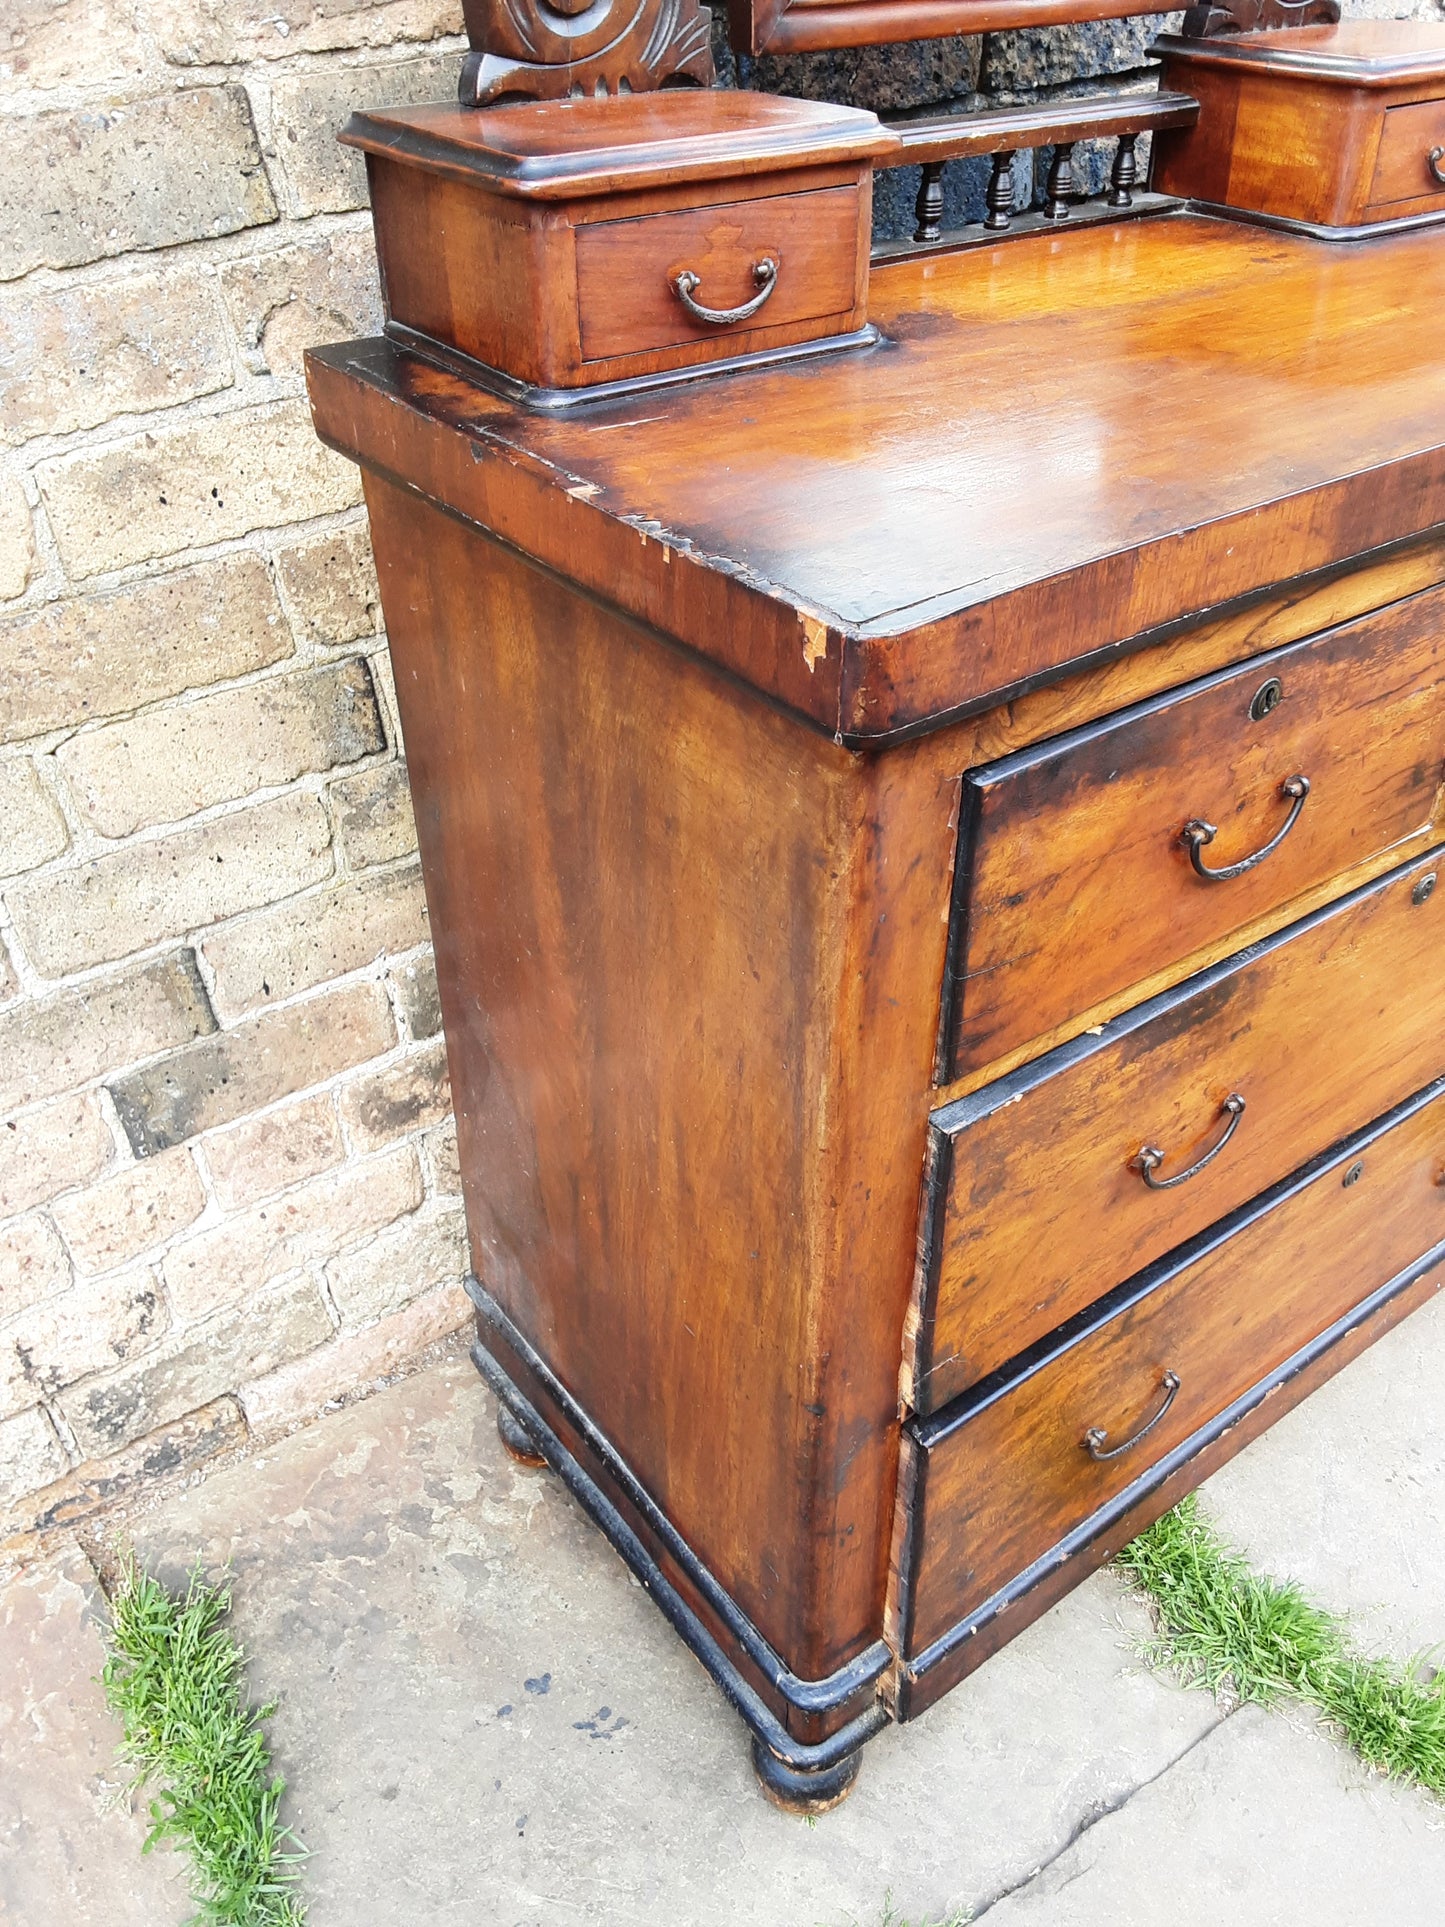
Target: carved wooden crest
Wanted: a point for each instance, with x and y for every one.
(548, 49)
(1257, 16)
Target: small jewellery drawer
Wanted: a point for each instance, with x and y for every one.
(992, 1486)
(659, 280)
(1099, 860)
(1049, 1186)
(1410, 165)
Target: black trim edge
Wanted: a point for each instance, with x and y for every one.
(1100, 1522)
(807, 1696)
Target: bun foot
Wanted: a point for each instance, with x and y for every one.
(518, 1440)
(799, 1791)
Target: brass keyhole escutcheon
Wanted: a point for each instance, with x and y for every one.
(1267, 698)
(1354, 1174)
(1425, 888)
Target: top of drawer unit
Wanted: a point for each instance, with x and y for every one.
(1081, 874)
(1053, 1184)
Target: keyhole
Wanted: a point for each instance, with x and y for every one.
(1266, 698)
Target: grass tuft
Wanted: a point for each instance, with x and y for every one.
(1247, 1637)
(175, 1679)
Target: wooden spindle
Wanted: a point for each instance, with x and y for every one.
(1060, 182)
(928, 209)
(999, 198)
(1125, 174)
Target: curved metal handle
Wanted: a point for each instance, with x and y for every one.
(1197, 835)
(685, 284)
(1437, 156)
(1150, 1157)
(1095, 1439)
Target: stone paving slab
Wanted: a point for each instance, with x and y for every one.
(1267, 1823)
(1347, 1492)
(70, 1841)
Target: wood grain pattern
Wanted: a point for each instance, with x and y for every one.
(1073, 882)
(884, 540)
(1305, 124)
(1007, 1475)
(1043, 1210)
(626, 269)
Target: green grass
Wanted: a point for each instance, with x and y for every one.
(175, 1679)
(1223, 1626)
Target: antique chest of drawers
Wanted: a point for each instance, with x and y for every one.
(933, 858)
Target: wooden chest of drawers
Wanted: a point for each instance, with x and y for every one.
(934, 882)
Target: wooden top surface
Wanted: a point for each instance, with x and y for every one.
(1070, 442)
(1357, 53)
(561, 149)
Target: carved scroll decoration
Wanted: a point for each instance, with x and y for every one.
(1257, 16)
(550, 49)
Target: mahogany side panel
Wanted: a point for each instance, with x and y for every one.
(688, 954)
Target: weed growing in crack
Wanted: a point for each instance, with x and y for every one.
(175, 1679)
(1247, 1637)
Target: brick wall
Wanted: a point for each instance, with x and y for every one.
(228, 1185)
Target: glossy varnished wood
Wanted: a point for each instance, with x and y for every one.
(1074, 882)
(888, 537)
(1001, 1479)
(1040, 1207)
(1307, 125)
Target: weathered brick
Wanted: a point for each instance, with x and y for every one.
(331, 586)
(177, 488)
(145, 892)
(96, 656)
(171, 762)
(136, 1471)
(424, 1251)
(87, 1329)
(132, 1212)
(32, 829)
(373, 815)
(267, 1154)
(30, 1453)
(311, 939)
(56, 1043)
(1053, 56)
(88, 182)
(33, 1264)
(17, 542)
(295, 298)
(351, 1364)
(204, 33)
(237, 1071)
(324, 178)
(53, 43)
(439, 1151)
(246, 1343)
(74, 357)
(384, 676)
(404, 1096)
(50, 1149)
(414, 987)
(302, 1227)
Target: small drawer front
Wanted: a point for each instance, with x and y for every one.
(1076, 879)
(1412, 149)
(1001, 1479)
(1052, 1185)
(784, 260)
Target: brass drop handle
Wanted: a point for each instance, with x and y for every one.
(1095, 1439)
(1437, 156)
(1197, 835)
(685, 285)
(1150, 1157)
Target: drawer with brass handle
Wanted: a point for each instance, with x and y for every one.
(1101, 858)
(1411, 161)
(1049, 1186)
(1010, 1475)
